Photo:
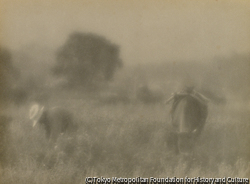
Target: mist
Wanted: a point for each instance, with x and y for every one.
(110, 68)
(146, 31)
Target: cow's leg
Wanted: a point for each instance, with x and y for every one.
(172, 142)
(185, 142)
(176, 147)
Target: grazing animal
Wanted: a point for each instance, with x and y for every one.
(188, 119)
(56, 120)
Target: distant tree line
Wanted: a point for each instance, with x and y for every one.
(85, 60)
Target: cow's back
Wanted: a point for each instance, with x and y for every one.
(189, 114)
(61, 118)
(188, 119)
(57, 120)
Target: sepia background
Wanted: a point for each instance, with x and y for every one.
(113, 64)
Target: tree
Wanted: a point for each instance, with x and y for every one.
(86, 59)
(8, 74)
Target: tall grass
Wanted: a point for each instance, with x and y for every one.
(124, 140)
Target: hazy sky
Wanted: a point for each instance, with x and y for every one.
(147, 31)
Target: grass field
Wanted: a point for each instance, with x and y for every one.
(124, 140)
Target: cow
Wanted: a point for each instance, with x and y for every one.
(188, 116)
(56, 120)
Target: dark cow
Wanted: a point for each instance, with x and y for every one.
(188, 115)
(56, 120)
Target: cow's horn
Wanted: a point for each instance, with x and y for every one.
(33, 111)
(194, 131)
(34, 123)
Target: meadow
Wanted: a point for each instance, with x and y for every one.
(124, 140)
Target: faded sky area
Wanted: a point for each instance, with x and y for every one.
(147, 31)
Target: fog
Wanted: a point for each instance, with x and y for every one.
(111, 67)
(147, 31)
